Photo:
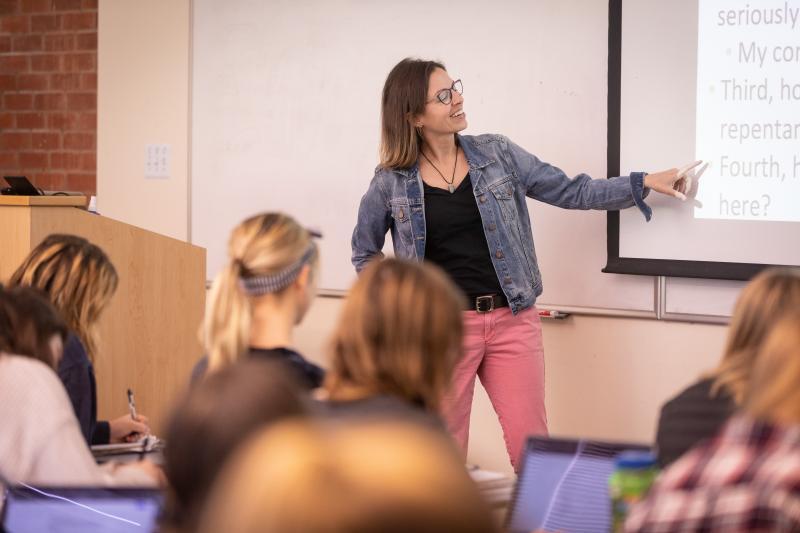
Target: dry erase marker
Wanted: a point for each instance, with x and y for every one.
(543, 313)
(132, 405)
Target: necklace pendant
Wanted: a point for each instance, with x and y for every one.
(451, 188)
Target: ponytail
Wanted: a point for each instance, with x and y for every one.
(266, 252)
(227, 323)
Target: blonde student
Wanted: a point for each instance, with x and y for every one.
(262, 293)
(80, 280)
(700, 410)
(745, 478)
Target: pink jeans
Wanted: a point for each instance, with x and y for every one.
(506, 352)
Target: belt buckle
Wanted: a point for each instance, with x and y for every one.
(484, 304)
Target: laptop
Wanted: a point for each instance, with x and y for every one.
(563, 485)
(20, 186)
(86, 510)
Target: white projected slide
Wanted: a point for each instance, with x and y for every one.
(748, 109)
(717, 80)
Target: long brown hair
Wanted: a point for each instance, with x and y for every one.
(773, 393)
(78, 278)
(263, 244)
(27, 324)
(398, 334)
(769, 296)
(404, 95)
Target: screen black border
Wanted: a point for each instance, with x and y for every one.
(633, 265)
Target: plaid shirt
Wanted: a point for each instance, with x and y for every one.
(745, 479)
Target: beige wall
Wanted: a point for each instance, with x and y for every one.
(143, 98)
(606, 377)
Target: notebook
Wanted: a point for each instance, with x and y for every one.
(85, 510)
(563, 485)
(145, 444)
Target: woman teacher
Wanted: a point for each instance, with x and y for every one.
(459, 201)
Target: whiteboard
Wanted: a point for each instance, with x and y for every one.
(285, 116)
(707, 297)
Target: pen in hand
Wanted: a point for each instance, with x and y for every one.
(132, 405)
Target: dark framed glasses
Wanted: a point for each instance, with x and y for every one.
(445, 96)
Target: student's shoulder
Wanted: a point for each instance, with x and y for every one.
(698, 397)
(198, 371)
(31, 377)
(20, 365)
(74, 354)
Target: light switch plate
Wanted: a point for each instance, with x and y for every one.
(156, 161)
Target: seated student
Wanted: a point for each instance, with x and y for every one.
(40, 440)
(261, 295)
(698, 412)
(396, 343)
(207, 425)
(79, 280)
(360, 477)
(746, 478)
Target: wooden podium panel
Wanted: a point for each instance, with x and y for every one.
(149, 333)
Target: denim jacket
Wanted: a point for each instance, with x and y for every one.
(503, 175)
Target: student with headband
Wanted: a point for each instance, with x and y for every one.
(261, 295)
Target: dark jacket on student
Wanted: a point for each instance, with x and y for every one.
(689, 418)
(77, 374)
(309, 374)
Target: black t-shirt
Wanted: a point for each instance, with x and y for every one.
(310, 375)
(455, 239)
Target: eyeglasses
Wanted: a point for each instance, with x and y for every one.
(445, 96)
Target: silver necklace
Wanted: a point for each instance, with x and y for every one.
(450, 186)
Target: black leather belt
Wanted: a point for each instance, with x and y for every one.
(486, 303)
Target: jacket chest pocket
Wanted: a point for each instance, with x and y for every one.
(503, 193)
(401, 216)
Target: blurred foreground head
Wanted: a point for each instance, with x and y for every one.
(774, 394)
(211, 421)
(362, 478)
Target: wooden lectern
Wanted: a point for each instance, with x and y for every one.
(149, 333)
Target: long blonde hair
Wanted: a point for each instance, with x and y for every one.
(770, 295)
(398, 334)
(405, 93)
(367, 477)
(262, 245)
(773, 392)
(78, 278)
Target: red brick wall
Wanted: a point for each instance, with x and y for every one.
(48, 92)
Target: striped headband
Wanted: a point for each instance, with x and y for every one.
(267, 283)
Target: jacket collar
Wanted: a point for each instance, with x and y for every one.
(475, 158)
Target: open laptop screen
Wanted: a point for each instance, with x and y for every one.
(84, 510)
(563, 485)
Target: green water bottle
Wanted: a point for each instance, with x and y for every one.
(634, 473)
